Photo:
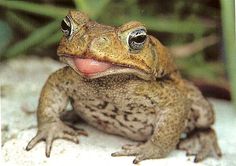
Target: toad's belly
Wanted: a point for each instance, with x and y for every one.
(136, 123)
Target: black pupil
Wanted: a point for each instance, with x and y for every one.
(139, 39)
(64, 26)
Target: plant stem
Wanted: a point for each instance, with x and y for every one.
(227, 17)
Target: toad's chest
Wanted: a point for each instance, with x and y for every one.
(131, 117)
(115, 105)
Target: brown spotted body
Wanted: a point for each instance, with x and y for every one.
(124, 82)
(118, 114)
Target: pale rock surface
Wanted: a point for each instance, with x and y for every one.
(21, 82)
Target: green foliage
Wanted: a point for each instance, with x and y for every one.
(40, 9)
(22, 22)
(5, 35)
(39, 35)
(164, 25)
(33, 39)
(92, 7)
(199, 69)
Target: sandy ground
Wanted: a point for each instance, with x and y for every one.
(21, 82)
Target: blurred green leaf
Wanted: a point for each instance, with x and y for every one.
(92, 7)
(5, 36)
(164, 24)
(35, 38)
(22, 22)
(41, 9)
(196, 67)
(227, 15)
(53, 39)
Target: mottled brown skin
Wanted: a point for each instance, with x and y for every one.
(142, 97)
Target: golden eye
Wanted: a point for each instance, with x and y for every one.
(137, 38)
(66, 26)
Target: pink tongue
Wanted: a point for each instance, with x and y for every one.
(90, 66)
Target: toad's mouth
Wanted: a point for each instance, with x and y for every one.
(91, 66)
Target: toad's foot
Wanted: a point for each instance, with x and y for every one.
(201, 143)
(51, 131)
(142, 151)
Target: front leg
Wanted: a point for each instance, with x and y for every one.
(169, 126)
(53, 101)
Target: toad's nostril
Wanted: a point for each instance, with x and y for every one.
(101, 42)
(102, 39)
(105, 38)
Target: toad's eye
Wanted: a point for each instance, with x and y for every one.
(137, 38)
(66, 26)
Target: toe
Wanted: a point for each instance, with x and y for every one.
(201, 155)
(72, 130)
(139, 158)
(34, 141)
(120, 153)
(124, 153)
(82, 132)
(198, 159)
(190, 153)
(130, 146)
(69, 137)
(128, 150)
(217, 150)
(49, 141)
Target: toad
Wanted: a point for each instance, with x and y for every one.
(124, 82)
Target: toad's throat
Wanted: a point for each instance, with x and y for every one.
(91, 66)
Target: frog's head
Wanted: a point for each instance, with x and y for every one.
(94, 50)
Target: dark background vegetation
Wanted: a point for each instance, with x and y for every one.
(194, 30)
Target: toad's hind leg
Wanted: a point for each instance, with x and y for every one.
(201, 140)
(201, 114)
(201, 143)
